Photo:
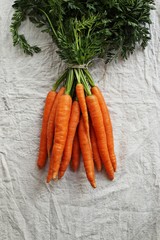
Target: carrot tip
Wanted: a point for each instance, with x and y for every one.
(114, 167)
(99, 169)
(93, 184)
(54, 176)
(111, 178)
(40, 166)
(48, 179)
(60, 175)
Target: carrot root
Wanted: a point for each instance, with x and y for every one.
(98, 125)
(42, 156)
(61, 129)
(107, 123)
(86, 153)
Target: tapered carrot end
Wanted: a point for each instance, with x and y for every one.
(60, 175)
(54, 176)
(40, 166)
(49, 178)
(99, 169)
(49, 155)
(114, 163)
(93, 184)
(111, 177)
(115, 167)
(73, 169)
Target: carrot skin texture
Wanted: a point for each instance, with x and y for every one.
(42, 156)
(51, 121)
(75, 160)
(86, 153)
(73, 123)
(107, 123)
(61, 130)
(82, 102)
(98, 125)
(96, 156)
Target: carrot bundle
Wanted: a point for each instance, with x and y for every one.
(82, 32)
(76, 120)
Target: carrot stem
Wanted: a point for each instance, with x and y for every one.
(69, 82)
(89, 77)
(77, 75)
(59, 81)
(85, 84)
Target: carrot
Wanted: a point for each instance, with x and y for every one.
(86, 153)
(82, 102)
(73, 123)
(42, 156)
(98, 125)
(107, 124)
(96, 156)
(61, 128)
(75, 160)
(51, 121)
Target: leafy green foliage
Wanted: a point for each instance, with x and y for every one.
(85, 29)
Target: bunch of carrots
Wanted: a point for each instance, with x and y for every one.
(76, 120)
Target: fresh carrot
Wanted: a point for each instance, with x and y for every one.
(73, 123)
(96, 156)
(98, 125)
(61, 128)
(42, 156)
(75, 159)
(51, 121)
(107, 123)
(82, 102)
(86, 153)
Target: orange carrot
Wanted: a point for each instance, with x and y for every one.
(96, 156)
(98, 125)
(73, 123)
(42, 156)
(107, 124)
(86, 153)
(82, 102)
(51, 121)
(75, 160)
(61, 128)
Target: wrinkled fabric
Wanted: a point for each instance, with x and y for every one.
(127, 208)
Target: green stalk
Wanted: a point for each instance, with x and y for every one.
(53, 30)
(69, 82)
(77, 75)
(59, 81)
(85, 83)
(89, 77)
(72, 93)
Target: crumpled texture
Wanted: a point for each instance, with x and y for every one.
(127, 208)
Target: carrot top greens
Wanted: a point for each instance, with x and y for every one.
(83, 30)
